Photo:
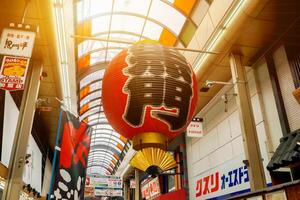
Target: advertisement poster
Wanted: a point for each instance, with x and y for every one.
(17, 42)
(13, 72)
(150, 188)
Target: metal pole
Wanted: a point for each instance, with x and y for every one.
(137, 185)
(25, 120)
(250, 140)
(56, 149)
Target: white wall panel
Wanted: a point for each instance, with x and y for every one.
(235, 126)
(11, 114)
(224, 134)
(237, 146)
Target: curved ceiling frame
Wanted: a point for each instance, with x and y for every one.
(91, 111)
(97, 155)
(98, 142)
(89, 94)
(104, 165)
(113, 159)
(97, 98)
(99, 50)
(89, 77)
(101, 167)
(106, 148)
(95, 121)
(108, 136)
(134, 14)
(92, 82)
(97, 113)
(99, 162)
(166, 2)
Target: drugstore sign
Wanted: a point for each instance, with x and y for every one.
(226, 180)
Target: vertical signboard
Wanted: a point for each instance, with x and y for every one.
(195, 128)
(16, 45)
(17, 42)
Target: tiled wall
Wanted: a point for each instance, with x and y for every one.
(287, 86)
(223, 141)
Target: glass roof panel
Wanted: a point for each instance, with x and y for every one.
(89, 112)
(88, 8)
(90, 97)
(132, 6)
(100, 24)
(97, 57)
(152, 30)
(125, 37)
(111, 53)
(92, 45)
(94, 103)
(94, 117)
(91, 77)
(89, 45)
(127, 23)
(167, 15)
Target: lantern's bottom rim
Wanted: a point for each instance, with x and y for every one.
(149, 139)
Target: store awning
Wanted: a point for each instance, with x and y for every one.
(287, 153)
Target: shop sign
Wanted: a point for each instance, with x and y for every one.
(104, 181)
(13, 72)
(102, 192)
(132, 184)
(195, 128)
(108, 186)
(17, 42)
(231, 177)
(150, 188)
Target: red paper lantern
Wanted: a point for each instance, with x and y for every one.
(149, 88)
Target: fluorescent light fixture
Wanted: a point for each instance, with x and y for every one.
(218, 35)
(62, 50)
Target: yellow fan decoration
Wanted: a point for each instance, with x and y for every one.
(153, 160)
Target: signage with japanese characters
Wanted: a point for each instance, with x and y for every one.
(229, 178)
(13, 72)
(108, 192)
(104, 186)
(195, 128)
(132, 183)
(150, 188)
(17, 42)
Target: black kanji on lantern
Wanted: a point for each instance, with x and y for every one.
(158, 77)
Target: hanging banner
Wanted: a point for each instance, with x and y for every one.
(195, 128)
(13, 72)
(17, 42)
(69, 180)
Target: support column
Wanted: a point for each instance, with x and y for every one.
(23, 130)
(125, 190)
(250, 140)
(137, 184)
